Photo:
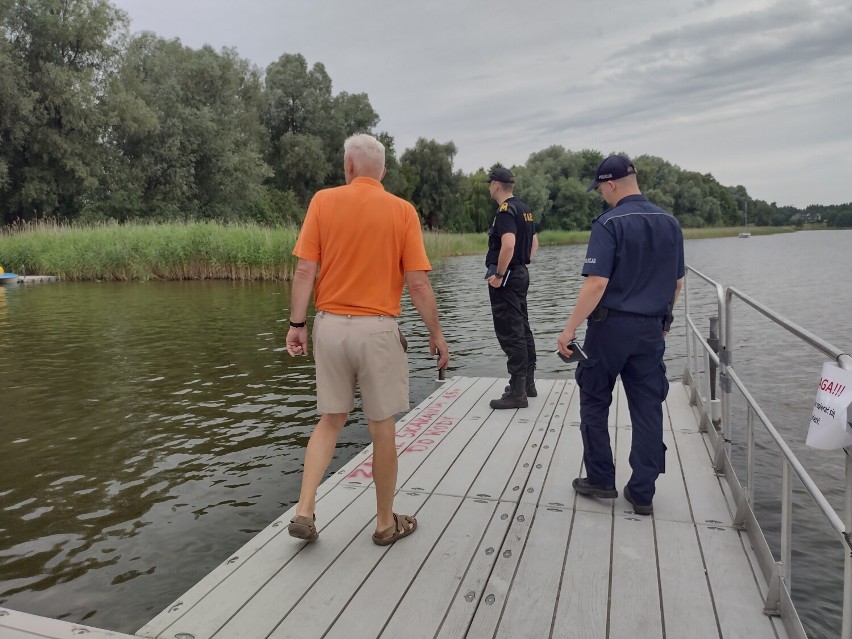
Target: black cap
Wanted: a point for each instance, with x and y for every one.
(501, 174)
(614, 167)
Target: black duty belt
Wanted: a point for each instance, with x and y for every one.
(601, 313)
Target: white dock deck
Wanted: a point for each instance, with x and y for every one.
(504, 548)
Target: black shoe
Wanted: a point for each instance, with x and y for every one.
(509, 401)
(515, 397)
(639, 509)
(531, 391)
(584, 487)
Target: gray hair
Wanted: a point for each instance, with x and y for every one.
(367, 154)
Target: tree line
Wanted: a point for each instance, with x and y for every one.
(97, 124)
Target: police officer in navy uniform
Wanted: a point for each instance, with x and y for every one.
(512, 242)
(634, 271)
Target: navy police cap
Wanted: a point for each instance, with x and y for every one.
(614, 167)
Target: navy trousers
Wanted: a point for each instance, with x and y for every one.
(511, 321)
(632, 346)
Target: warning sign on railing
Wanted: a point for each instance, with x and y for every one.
(830, 427)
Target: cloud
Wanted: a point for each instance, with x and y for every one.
(719, 86)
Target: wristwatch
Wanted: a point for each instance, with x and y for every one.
(497, 274)
(298, 324)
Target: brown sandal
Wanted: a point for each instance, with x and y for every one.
(403, 526)
(303, 528)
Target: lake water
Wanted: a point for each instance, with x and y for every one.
(150, 430)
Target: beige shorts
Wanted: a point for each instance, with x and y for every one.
(366, 351)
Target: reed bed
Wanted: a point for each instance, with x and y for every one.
(210, 250)
(170, 251)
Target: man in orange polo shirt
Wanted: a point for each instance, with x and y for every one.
(365, 243)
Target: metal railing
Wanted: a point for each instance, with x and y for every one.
(699, 375)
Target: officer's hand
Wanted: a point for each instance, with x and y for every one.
(562, 341)
(495, 281)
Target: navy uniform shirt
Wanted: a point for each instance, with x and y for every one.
(513, 216)
(639, 247)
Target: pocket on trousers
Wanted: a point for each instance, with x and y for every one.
(585, 372)
(665, 383)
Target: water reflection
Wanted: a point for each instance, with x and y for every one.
(149, 430)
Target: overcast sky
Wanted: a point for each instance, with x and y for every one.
(756, 92)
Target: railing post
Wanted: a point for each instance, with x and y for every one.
(713, 343)
(686, 315)
(725, 360)
(845, 362)
(787, 526)
(847, 563)
(750, 444)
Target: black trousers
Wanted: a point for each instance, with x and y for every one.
(511, 321)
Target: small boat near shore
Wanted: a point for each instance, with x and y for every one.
(8, 278)
(744, 235)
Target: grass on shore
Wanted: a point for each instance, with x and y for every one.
(208, 250)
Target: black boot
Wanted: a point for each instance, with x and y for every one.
(515, 397)
(531, 391)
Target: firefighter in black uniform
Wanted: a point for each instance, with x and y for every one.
(634, 271)
(511, 244)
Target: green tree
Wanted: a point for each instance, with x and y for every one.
(476, 203)
(187, 138)
(573, 206)
(434, 194)
(396, 180)
(54, 58)
(307, 125)
(533, 190)
(840, 219)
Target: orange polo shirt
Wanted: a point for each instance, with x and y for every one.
(364, 239)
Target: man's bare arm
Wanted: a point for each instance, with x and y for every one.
(423, 298)
(300, 294)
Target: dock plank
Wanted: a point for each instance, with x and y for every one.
(635, 599)
(532, 597)
(487, 616)
(21, 625)
(582, 608)
(703, 487)
(469, 595)
(688, 609)
(567, 459)
(540, 466)
(738, 602)
(522, 484)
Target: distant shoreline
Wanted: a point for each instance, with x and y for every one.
(208, 250)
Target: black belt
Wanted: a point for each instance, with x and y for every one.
(602, 312)
(617, 313)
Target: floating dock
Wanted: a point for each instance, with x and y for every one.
(504, 547)
(36, 279)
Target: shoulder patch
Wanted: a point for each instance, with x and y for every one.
(503, 207)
